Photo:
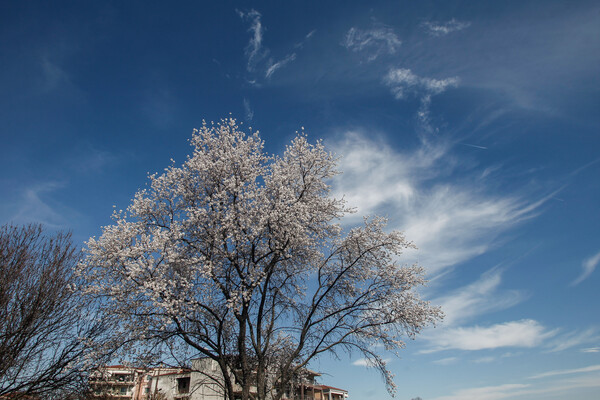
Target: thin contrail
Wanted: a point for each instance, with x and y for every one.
(474, 145)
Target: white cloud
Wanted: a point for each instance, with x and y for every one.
(254, 50)
(442, 29)
(307, 37)
(361, 362)
(590, 368)
(257, 54)
(365, 362)
(275, 66)
(446, 361)
(477, 298)
(524, 333)
(573, 339)
(248, 111)
(591, 350)
(403, 81)
(373, 42)
(374, 175)
(588, 265)
(484, 360)
(485, 62)
(485, 393)
(450, 222)
(35, 206)
(558, 389)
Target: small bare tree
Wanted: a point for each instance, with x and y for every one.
(46, 333)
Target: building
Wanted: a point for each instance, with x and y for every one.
(116, 381)
(202, 382)
(311, 390)
(120, 382)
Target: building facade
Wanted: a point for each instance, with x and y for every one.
(202, 382)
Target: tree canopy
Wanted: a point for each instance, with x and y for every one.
(239, 255)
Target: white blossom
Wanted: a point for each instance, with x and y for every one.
(239, 254)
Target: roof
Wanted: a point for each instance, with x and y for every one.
(180, 372)
(324, 387)
(333, 388)
(312, 372)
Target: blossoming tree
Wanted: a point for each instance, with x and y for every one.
(239, 256)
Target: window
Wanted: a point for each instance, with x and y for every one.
(183, 385)
(123, 377)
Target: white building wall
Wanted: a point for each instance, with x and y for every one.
(165, 386)
(203, 385)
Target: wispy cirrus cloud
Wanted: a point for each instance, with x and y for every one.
(403, 82)
(591, 350)
(444, 28)
(561, 386)
(483, 61)
(254, 51)
(258, 55)
(446, 361)
(588, 265)
(590, 368)
(274, 66)
(450, 221)
(573, 339)
(365, 362)
(35, 205)
(372, 42)
(248, 111)
(479, 297)
(486, 392)
(307, 37)
(523, 333)
(484, 360)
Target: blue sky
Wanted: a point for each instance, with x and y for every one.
(473, 126)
